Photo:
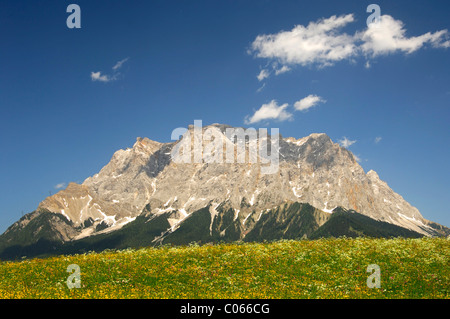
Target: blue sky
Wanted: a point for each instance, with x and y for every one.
(66, 104)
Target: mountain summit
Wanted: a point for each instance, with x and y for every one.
(145, 185)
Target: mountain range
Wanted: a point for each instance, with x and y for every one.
(145, 196)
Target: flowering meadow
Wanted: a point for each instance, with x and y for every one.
(325, 268)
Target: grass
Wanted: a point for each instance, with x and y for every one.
(325, 268)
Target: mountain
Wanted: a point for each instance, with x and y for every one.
(352, 224)
(218, 183)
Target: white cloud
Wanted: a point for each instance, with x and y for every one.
(388, 36)
(345, 142)
(318, 43)
(262, 75)
(322, 43)
(308, 102)
(378, 139)
(357, 158)
(282, 70)
(119, 64)
(97, 76)
(265, 73)
(269, 111)
(273, 111)
(261, 88)
(60, 185)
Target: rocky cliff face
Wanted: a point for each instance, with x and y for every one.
(146, 180)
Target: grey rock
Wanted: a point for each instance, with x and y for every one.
(145, 180)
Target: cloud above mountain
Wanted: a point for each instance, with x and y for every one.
(388, 36)
(318, 43)
(60, 186)
(345, 142)
(98, 76)
(308, 102)
(322, 43)
(119, 64)
(270, 111)
(273, 111)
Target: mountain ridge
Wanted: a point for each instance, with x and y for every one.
(292, 220)
(147, 181)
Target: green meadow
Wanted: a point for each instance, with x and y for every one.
(324, 268)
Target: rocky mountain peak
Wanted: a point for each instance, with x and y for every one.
(320, 136)
(144, 179)
(317, 138)
(372, 175)
(145, 143)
